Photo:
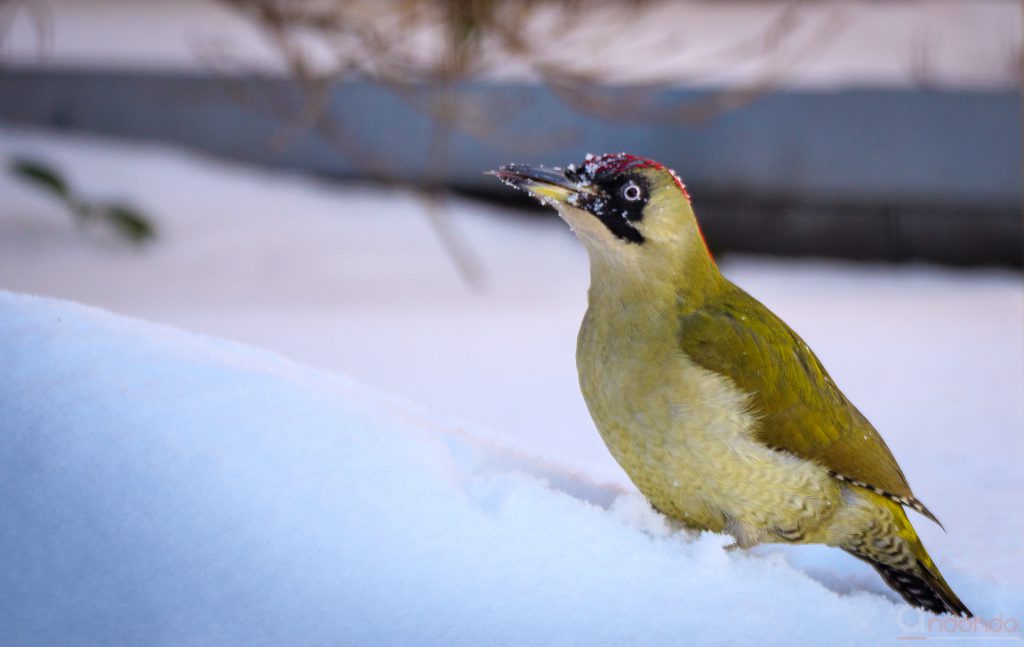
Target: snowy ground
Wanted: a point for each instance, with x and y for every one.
(215, 494)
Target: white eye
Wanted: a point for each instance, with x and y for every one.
(632, 192)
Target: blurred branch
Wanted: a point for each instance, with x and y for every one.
(426, 52)
(424, 49)
(765, 47)
(39, 18)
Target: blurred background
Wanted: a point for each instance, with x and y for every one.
(867, 129)
(307, 176)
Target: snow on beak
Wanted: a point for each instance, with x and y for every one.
(550, 186)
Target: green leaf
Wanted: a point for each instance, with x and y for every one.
(129, 222)
(41, 175)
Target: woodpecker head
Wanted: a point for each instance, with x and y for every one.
(622, 207)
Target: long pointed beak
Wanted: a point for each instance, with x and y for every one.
(550, 186)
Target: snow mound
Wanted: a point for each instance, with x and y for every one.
(163, 488)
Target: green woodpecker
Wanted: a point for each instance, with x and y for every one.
(718, 412)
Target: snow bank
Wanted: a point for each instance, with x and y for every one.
(163, 488)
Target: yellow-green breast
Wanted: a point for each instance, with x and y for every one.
(684, 434)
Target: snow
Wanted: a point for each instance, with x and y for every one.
(165, 488)
(162, 487)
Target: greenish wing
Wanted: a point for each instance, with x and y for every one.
(800, 409)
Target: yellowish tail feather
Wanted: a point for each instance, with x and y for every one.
(917, 580)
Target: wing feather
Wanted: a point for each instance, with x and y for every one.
(800, 409)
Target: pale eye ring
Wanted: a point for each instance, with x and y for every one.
(632, 192)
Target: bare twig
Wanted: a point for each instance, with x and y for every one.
(38, 15)
(425, 52)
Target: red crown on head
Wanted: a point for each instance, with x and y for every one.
(596, 166)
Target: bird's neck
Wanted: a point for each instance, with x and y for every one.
(634, 308)
(650, 283)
